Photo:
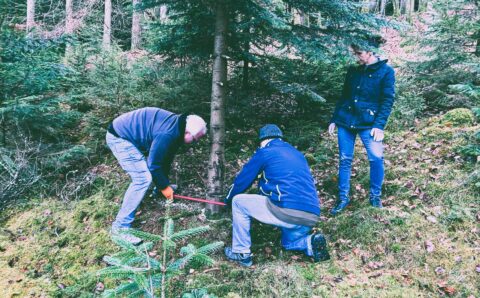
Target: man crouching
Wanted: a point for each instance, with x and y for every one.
(287, 199)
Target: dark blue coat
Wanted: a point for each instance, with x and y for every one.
(285, 177)
(367, 97)
(156, 131)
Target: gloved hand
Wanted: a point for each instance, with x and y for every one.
(331, 128)
(377, 134)
(168, 193)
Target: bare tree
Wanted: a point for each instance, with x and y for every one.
(68, 27)
(30, 15)
(383, 5)
(136, 28)
(107, 25)
(216, 163)
(163, 13)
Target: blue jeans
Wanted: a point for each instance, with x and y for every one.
(135, 164)
(246, 206)
(346, 146)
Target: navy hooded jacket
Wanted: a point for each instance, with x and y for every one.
(285, 177)
(155, 131)
(367, 97)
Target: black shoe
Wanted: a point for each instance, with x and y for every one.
(342, 204)
(376, 202)
(319, 247)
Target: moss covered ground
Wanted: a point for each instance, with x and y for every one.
(424, 243)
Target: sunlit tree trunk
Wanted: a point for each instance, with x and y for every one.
(30, 16)
(217, 117)
(136, 27)
(107, 25)
(383, 5)
(68, 27)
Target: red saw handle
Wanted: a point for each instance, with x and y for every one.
(199, 200)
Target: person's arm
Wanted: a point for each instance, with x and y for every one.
(161, 153)
(247, 175)
(386, 101)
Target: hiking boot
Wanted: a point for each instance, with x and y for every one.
(376, 202)
(319, 247)
(244, 259)
(123, 234)
(342, 204)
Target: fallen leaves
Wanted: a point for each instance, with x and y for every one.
(449, 290)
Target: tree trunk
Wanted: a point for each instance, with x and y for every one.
(217, 117)
(383, 4)
(163, 13)
(136, 29)
(107, 23)
(30, 16)
(403, 6)
(68, 28)
(477, 48)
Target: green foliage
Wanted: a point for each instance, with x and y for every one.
(409, 106)
(458, 117)
(278, 62)
(449, 75)
(145, 273)
(198, 293)
(471, 151)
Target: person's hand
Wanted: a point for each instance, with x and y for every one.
(168, 193)
(377, 134)
(331, 128)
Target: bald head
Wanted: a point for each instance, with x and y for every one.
(195, 129)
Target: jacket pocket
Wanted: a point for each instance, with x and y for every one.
(368, 116)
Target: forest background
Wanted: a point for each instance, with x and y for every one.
(68, 68)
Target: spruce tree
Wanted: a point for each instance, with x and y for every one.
(141, 273)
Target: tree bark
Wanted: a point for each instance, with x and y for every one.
(136, 28)
(30, 16)
(217, 117)
(163, 13)
(383, 5)
(107, 23)
(68, 27)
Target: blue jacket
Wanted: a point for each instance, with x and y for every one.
(157, 132)
(285, 177)
(367, 97)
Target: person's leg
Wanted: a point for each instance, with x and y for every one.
(375, 157)
(297, 238)
(134, 163)
(244, 207)
(346, 146)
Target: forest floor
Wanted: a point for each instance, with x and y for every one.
(425, 242)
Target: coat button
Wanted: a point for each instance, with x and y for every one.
(370, 76)
(358, 87)
(351, 126)
(355, 100)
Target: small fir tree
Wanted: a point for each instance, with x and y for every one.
(142, 273)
